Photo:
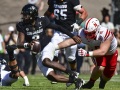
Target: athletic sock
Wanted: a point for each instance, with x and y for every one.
(26, 80)
(102, 83)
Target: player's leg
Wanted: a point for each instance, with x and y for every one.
(51, 75)
(71, 56)
(47, 59)
(96, 73)
(109, 70)
(12, 61)
(26, 81)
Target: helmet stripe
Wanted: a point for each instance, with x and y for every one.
(87, 23)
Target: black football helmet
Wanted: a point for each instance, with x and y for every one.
(29, 12)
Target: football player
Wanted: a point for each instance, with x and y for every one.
(65, 15)
(10, 72)
(103, 51)
(32, 28)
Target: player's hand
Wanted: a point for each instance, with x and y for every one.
(11, 47)
(76, 27)
(82, 52)
(77, 39)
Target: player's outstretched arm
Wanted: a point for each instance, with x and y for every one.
(66, 43)
(65, 31)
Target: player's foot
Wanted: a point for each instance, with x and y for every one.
(53, 82)
(26, 84)
(74, 75)
(88, 85)
(26, 81)
(79, 83)
(102, 83)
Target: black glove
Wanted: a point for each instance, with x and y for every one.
(11, 48)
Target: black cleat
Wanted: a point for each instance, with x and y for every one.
(88, 85)
(79, 83)
(72, 76)
(102, 83)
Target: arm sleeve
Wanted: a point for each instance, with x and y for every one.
(75, 2)
(50, 6)
(59, 28)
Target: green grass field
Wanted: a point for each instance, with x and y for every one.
(39, 82)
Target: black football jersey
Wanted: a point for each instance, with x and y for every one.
(38, 30)
(64, 12)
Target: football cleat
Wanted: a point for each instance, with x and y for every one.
(88, 85)
(74, 75)
(53, 82)
(79, 83)
(26, 84)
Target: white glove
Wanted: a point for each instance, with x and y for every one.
(82, 52)
(75, 26)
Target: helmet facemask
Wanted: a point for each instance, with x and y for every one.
(27, 19)
(90, 35)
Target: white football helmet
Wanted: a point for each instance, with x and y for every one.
(91, 24)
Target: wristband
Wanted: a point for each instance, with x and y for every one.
(89, 53)
(26, 45)
(79, 21)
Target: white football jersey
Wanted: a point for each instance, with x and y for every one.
(102, 35)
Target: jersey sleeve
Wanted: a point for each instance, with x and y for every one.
(50, 6)
(60, 28)
(105, 34)
(19, 27)
(75, 2)
(46, 21)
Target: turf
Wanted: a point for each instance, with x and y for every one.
(39, 82)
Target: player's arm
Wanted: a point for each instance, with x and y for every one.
(48, 14)
(21, 37)
(65, 31)
(20, 40)
(104, 47)
(66, 43)
(80, 9)
(101, 51)
(83, 13)
(50, 9)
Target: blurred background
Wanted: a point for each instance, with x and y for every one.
(10, 14)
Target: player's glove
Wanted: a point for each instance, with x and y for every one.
(11, 48)
(76, 27)
(82, 52)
